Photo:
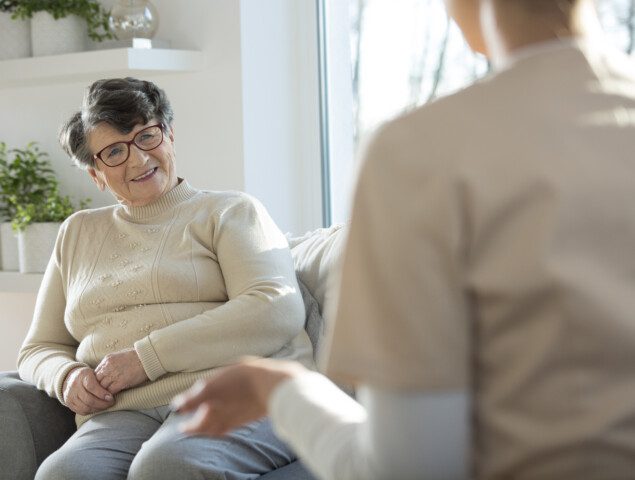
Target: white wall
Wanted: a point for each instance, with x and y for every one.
(281, 109)
(248, 121)
(15, 318)
(207, 104)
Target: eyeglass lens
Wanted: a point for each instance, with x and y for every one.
(146, 139)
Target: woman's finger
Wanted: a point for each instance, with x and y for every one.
(106, 382)
(93, 402)
(94, 387)
(116, 387)
(78, 406)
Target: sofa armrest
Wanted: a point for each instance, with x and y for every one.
(32, 426)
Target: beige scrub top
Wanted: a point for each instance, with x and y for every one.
(492, 250)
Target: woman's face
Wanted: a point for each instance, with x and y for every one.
(145, 176)
(466, 13)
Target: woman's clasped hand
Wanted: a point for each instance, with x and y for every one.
(120, 371)
(83, 393)
(89, 391)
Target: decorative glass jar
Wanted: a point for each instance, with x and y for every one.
(133, 19)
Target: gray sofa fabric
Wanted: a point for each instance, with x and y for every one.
(34, 425)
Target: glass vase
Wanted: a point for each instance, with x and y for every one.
(133, 19)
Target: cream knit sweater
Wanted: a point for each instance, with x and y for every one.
(192, 281)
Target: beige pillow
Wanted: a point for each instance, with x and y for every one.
(315, 255)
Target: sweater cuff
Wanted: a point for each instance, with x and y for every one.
(285, 390)
(61, 376)
(149, 359)
(310, 399)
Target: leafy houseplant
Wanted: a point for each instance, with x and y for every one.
(56, 208)
(30, 198)
(91, 11)
(28, 178)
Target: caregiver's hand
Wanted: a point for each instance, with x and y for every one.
(121, 370)
(234, 395)
(83, 394)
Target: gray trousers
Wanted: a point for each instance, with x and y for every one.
(147, 445)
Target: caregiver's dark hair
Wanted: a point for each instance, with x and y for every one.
(121, 103)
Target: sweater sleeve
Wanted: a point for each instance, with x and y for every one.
(264, 311)
(48, 352)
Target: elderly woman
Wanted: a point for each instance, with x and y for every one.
(143, 298)
(486, 300)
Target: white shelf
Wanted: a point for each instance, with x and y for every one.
(14, 282)
(97, 64)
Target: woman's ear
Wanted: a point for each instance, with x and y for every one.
(171, 135)
(101, 185)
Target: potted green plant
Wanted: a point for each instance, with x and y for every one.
(38, 224)
(26, 177)
(15, 35)
(30, 198)
(60, 26)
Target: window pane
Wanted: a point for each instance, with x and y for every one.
(405, 53)
(618, 20)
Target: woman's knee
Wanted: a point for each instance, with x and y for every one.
(166, 461)
(156, 461)
(76, 464)
(63, 465)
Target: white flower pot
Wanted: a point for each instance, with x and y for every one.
(15, 37)
(35, 246)
(56, 37)
(8, 248)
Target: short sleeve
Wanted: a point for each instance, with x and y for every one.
(400, 315)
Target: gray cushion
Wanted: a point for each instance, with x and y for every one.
(314, 323)
(315, 255)
(32, 426)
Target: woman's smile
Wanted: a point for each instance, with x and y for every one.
(146, 176)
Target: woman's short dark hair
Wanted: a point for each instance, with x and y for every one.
(121, 103)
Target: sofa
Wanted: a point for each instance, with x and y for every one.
(33, 425)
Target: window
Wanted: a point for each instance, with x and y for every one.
(402, 54)
(407, 52)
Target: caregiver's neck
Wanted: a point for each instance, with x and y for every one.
(509, 26)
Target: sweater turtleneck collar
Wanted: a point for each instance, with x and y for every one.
(183, 191)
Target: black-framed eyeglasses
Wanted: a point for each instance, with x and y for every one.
(117, 153)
